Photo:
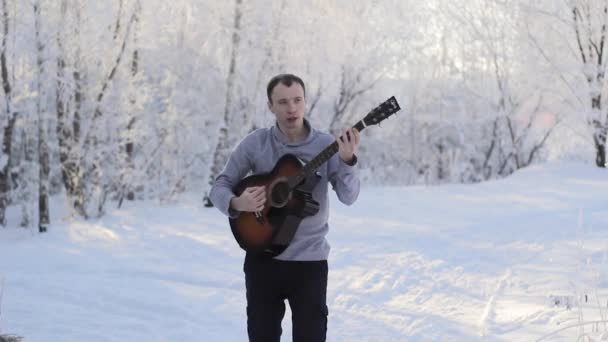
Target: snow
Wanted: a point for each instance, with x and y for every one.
(505, 260)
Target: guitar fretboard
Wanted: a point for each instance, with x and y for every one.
(312, 166)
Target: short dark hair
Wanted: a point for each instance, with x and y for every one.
(286, 79)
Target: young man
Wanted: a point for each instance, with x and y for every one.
(299, 274)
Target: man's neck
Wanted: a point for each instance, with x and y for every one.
(295, 135)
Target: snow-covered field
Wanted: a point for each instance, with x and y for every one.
(510, 260)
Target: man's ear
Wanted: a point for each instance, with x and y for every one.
(269, 106)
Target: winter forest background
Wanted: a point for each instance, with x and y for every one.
(105, 101)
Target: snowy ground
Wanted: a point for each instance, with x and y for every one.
(509, 260)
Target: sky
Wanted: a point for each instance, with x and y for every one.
(518, 259)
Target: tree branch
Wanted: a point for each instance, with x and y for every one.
(97, 111)
(576, 15)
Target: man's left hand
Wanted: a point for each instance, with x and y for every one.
(348, 143)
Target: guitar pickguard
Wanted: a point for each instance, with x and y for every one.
(310, 182)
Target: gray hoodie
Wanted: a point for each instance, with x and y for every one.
(259, 151)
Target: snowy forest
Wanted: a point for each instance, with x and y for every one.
(120, 100)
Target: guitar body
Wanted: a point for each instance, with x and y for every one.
(270, 231)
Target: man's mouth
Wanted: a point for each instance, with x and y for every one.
(292, 119)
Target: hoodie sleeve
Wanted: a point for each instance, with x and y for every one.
(237, 167)
(344, 179)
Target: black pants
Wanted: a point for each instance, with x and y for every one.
(303, 283)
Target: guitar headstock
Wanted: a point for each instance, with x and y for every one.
(383, 111)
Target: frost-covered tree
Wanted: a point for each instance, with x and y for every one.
(570, 37)
(130, 99)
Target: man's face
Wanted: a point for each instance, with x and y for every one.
(288, 105)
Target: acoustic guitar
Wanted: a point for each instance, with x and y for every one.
(289, 197)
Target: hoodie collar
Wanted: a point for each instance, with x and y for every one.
(282, 138)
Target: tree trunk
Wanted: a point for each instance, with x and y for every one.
(68, 128)
(118, 18)
(129, 147)
(94, 176)
(223, 145)
(599, 139)
(591, 44)
(127, 189)
(6, 159)
(43, 149)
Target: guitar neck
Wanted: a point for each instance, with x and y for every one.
(312, 166)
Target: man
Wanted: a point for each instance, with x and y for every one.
(299, 274)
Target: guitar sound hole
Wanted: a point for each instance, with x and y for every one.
(280, 194)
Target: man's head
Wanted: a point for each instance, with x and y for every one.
(285, 79)
(286, 100)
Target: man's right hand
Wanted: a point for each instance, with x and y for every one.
(252, 199)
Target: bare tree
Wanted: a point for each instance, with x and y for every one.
(223, 145)
(510, 145)
(272, 63)
(583, 31)
(359, 71)
(93, 175)
(10, 114)
(590, 18)
(117, 25)
(43, 148)
(81, 155)
(353, 84)
(127, 189)
(68, 102)
(523, 153)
